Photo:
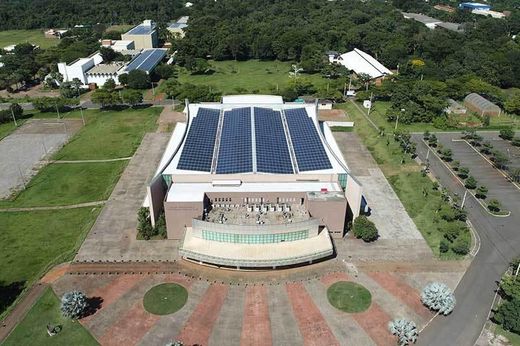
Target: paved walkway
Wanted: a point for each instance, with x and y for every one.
(113, 236)
(387, 211)
(291, 309)
(58, 207)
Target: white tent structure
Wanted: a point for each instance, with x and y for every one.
(361, 62)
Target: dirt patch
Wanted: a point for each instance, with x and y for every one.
(332, 115)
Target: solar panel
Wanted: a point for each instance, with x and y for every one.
(197, 152)
(309, 150)
(147, 60)
(140, 30)
(272, 153)
(235, 154)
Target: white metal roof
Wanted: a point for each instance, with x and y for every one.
(361, 62)
(194, 192)
(252, 99)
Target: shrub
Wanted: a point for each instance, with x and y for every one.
(406, 331)
(516, 141)
(463, 172)
(461, 246)
(455, 165)
(447, 155)
(426, 135)
(160, 226)
(439, 297)
(481, 192)
(365, 229)
(444, 246)
(470, 183)
(73, 304)
(508, 315)
(494, 205)
(452, 232)
(432, 141)
(144, 225)
(507, 134)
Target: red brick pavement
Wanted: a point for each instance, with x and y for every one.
(131, 327)
(331, 278)
(313, 326)
(398, 288)
(375, 323)
(112, 291)
(256, 327)
(197, 329)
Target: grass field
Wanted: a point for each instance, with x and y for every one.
(33, 329)
(32, 241)
(165, 299)
(36, 37)
(64, 184)
(6, 129)
(415, 191)
(232, 77)
(378, 116)
(349, 297)
(513, 338)
(109, 134)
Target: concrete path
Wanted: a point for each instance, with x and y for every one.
(113, 236)
(387, 211)
(58, 207)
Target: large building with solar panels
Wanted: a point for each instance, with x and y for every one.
(144, 35)
(253, 182)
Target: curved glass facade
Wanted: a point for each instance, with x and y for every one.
(254, 238)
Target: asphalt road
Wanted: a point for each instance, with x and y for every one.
(500, 239)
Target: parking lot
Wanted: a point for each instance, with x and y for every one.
(22, 151)
(481, 169)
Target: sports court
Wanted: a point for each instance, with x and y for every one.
(22, 152)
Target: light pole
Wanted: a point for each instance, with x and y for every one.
(82, 117)
(397, 120)
(463, 199)
(14, 118)
(57, 110)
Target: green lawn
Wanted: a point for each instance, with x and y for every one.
(415, 191)
(232, 77)
(36, 37)
(165, 299)
(33, 329)
(32, 241)
(109, 134)
(349, 297)
(513, 338)
(6, 129)
(64, 184)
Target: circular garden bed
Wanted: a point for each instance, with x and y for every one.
(165, 299)
(349, 296)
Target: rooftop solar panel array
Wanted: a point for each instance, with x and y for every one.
(140, 30)
(310, 154)
(272, 154)
(198, 148)
(147, 60)
(235, 153)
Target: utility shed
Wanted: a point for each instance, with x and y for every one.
(478, 104)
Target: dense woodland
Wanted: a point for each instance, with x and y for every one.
(432, 64)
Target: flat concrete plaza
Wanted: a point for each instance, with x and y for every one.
(288, 310)
(387, 211)
(22, 151)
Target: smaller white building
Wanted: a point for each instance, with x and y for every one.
(101, 73)
(361, 63)
(494, 14)
(79, 67)
(119, 45)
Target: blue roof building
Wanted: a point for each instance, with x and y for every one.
(474, 6)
